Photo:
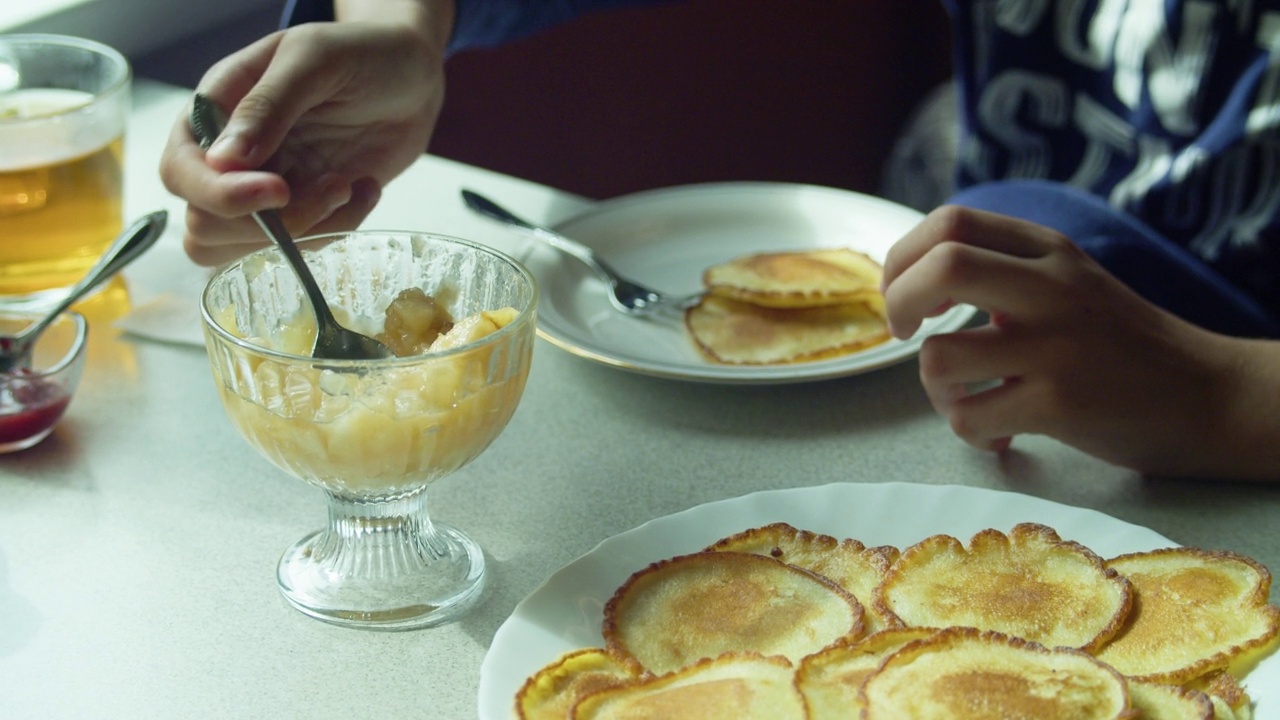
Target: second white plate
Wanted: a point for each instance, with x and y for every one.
(566, 612)
(665, 239)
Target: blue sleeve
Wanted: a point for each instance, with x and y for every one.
(480, 23)
(486, 23)
(1159, 270)
(297, 12)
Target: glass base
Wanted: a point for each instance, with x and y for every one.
(383, 566)
(26, 442)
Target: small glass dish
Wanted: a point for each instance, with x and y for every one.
(33, 400)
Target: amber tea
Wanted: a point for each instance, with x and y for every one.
(61, 163)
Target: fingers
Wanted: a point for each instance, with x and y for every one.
(364, 195)
(232, 77)
(998, 233)
(245, 234)
(984, 420)
(1000, 264)
(266, 88)
(212, 239)
(952, 273)
(229, 83)
(951, 364)
(974, 379)
(185, 173)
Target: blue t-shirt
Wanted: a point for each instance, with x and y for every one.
(1167, 110)
(1164, 110)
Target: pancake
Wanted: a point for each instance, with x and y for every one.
(1230, 701)
(551, 693)
(678, 611)
(738, 333)
(1169, 702)
(848, 563)
(1195, 611)
(1029, 583)
(732, 687)
(830, 679)
(966, 674)
(807, 278)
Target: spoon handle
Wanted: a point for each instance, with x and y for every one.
(494, 211)
(273, 226)
(131, 243)
(140, 236)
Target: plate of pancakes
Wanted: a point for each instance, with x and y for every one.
(789, 271)
(806, 602)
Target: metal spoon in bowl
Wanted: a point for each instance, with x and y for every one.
(15, 350)
(333, 341)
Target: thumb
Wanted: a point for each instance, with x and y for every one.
(289, 86)
(255, 130)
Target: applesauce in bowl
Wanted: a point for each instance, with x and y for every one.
(367, 428)
(374, 433)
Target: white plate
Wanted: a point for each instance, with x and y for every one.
(565, 613)
(665, 239)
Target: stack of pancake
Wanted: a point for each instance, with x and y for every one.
(789, 307)
(780, 623)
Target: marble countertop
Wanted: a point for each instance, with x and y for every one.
(138, 543)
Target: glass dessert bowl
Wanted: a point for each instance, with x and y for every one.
(33, 399)
(373, 434)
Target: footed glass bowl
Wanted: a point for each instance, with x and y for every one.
(373, 434)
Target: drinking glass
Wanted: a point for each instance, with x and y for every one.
(64, 102)
(373, 434)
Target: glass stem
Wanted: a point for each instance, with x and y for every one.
(378, 539)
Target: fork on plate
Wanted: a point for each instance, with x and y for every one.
(625, 294)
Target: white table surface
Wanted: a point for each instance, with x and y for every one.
(138, 543)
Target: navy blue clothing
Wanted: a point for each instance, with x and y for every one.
(1142, 258)
(480, 23)
(1158, 121)
(1168, 111)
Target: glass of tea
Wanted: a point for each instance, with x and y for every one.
(64, 102)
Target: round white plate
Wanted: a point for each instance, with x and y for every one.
(566, 612)
(665, 239)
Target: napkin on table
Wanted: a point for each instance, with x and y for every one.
(164, 287)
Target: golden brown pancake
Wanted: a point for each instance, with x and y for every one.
(1157, 701)
(967, 674)
(551, 693)
(848, 563)
(773, 591)
(1230, 701)
(1194, 611)
(830, 679)
(807, 278)
(738, 333)
(732, 687)
(678, 611)
(1029, 583)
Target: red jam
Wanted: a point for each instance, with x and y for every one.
(29, 406)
